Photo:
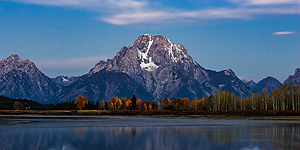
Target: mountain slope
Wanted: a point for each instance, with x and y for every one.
(103, 85)
(23, 79)
(226, 81)
(269, 82)
(294, 78)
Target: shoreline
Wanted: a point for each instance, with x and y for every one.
(189, 114)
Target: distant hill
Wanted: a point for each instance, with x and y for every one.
(269, 82)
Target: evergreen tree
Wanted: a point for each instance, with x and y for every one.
(133, 102)
(106, 106)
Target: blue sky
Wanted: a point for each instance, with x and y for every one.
(255, 38)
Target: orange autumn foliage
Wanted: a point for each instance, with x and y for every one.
(139, 101)
(80, 102)
(128, 104)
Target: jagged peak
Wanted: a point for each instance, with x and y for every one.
(14, 62)
(294, 78)
(13, 57)
(297, 71)
(229, 72)
(144, 43)
(150, 52)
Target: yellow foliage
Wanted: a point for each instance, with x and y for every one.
(186, 102)
(194, 104)
(118, 103)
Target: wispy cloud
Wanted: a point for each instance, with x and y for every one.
(125, 12)
(69, 64)
(265, 2)
(283, 33)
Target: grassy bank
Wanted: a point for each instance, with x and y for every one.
(163, 113)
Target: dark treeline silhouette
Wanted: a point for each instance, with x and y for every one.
(285, 97)
(7, 103)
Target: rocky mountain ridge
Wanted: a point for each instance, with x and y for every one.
(22, 79)
(294, 78)
(153, 68)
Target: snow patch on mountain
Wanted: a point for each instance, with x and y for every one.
(178, 54)
(146, 61)
(65, 80)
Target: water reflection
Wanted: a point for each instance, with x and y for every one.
(157, 137)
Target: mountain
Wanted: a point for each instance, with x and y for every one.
(64, 80)
(269, 82)
(294, 78)
(22, 79)
(157, 67)
(251, 84)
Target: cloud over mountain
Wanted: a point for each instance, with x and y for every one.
(125, 12)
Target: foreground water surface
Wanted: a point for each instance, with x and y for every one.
(84, 133)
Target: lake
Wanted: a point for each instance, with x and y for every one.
(136, 133)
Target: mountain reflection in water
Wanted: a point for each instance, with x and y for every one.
(276, 136)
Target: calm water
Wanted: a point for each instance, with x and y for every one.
(85, 133)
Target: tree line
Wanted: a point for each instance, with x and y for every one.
(7, 103)
(285, 97)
